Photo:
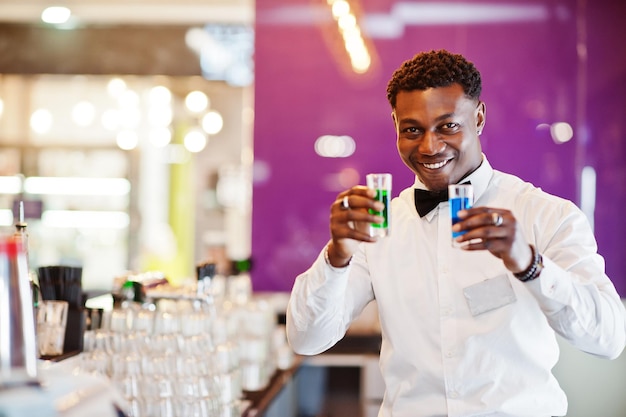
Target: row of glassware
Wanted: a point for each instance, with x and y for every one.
(187, 356)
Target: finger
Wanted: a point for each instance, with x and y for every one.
(352, 223)
(486, 235)
(354, 201)
(483, 217)
(359, 190)
(497, 219)
(497, 247)
(345, 202)
(360, 215)
(487, 229)
(350, 230)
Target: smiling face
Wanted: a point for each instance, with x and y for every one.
(438, 132)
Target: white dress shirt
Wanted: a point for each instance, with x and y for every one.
(437, 359)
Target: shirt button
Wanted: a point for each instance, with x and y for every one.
(453, 394)
(449, 354)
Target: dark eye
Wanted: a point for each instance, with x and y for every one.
(449, 127)
(411, 132)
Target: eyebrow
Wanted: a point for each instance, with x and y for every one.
(437, 119)
(445, 116)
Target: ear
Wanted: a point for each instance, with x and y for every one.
(481, 116)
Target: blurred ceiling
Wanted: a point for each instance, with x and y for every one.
(116, 12)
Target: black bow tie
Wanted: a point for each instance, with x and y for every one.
(426, 200)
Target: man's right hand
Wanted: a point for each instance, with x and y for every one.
(350, 222)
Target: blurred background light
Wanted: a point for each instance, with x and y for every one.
(6, 217)
(588, 186)
(76, 186)
(56, 15)
(10, 185)
(116, 86)
(127, 140)
(225, 51)
(212, 122)
(83, 113)
(561, 132)
(340, 8)
(196, 101)
(354, 43)
(331, 146)
(41, 121)
(160, 95)
(195, 140)
(85, 219)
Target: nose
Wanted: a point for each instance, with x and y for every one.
(431, 144)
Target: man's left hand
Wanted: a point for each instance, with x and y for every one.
(497, 231)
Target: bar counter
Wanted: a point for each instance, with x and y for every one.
(259, 401)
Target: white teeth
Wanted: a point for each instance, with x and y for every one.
(435, 166)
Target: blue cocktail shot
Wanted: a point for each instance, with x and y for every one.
(460, 197)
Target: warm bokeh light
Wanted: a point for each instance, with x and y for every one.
(6, 217)
(160, 95)
(348, 177)
(340, 8)
(354, 44)
(196, 101)
(83, 113)
(331, 146)
(346, 22)
(588, 188)
(127, 140)
(212, 122)
(1, 107)
(41, 121)
(195, 140)
(361, 61)
(116, 86)
(56, 15)
(561, 132)
(10, 185)
(85, 219)
(77, 186)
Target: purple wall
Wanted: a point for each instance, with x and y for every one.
(532, 74)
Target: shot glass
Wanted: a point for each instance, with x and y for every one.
(460, 197)
(51, 324)
(382, 184)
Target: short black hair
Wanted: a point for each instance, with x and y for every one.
(434, 69)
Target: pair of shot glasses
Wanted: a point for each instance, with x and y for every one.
(460, 197)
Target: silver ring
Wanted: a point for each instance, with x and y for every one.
(497, 219)
(345, 205)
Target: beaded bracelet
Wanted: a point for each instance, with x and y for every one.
(535, 268)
